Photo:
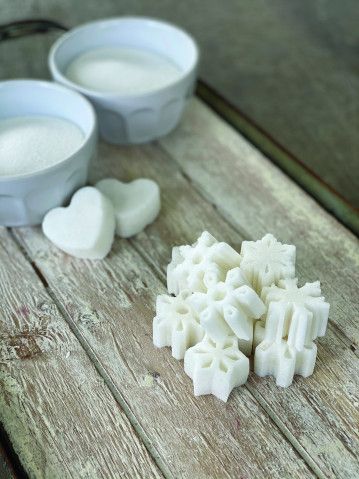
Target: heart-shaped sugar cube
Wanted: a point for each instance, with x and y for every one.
(85, 228)
(136, 204)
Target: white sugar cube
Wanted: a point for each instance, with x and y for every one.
(195, 267)
(266, 261)
(216, 367)
(136, 204)
(85, 228)
(176, 324)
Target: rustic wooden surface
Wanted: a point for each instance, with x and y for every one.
(61, 418)
(210, 178)
(86, 395)
(290, 66)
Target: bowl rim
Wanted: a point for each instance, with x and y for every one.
(18, 82)
(59, 76)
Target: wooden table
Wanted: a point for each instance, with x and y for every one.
(84, 393)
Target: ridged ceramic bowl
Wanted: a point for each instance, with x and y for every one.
(126, 119)
(24, 199)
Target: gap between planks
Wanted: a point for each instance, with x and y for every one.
(10, 465)
(93, 358)
(298, 448)
(37, 432)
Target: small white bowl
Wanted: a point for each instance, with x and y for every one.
(126, 119)
(24, 199)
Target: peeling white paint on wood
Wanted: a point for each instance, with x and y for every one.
(61, 418)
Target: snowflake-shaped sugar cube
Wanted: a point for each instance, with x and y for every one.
(287, 346)
(228, 308)
(266, 261)
(305, 310)
(225, 301)
(216, 367)
(207, 260)
(258, 334)
(176, 324)
(282, 361)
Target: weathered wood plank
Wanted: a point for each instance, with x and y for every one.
(198, 438)
(292, 166)
(256, 197)
(184, 216)
(61, 418)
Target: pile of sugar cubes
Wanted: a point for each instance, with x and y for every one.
(222, 306)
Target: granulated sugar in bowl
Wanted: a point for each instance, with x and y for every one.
(48, 135)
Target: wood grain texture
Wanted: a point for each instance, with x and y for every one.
(185, 214)
(290, 66)
(201, 438)
(62, 420)
(211, 178)
(256, 197)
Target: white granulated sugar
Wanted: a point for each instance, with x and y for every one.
(122, 70)
(32, 143)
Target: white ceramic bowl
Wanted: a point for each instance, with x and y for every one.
(24, 199)
(125, 119)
